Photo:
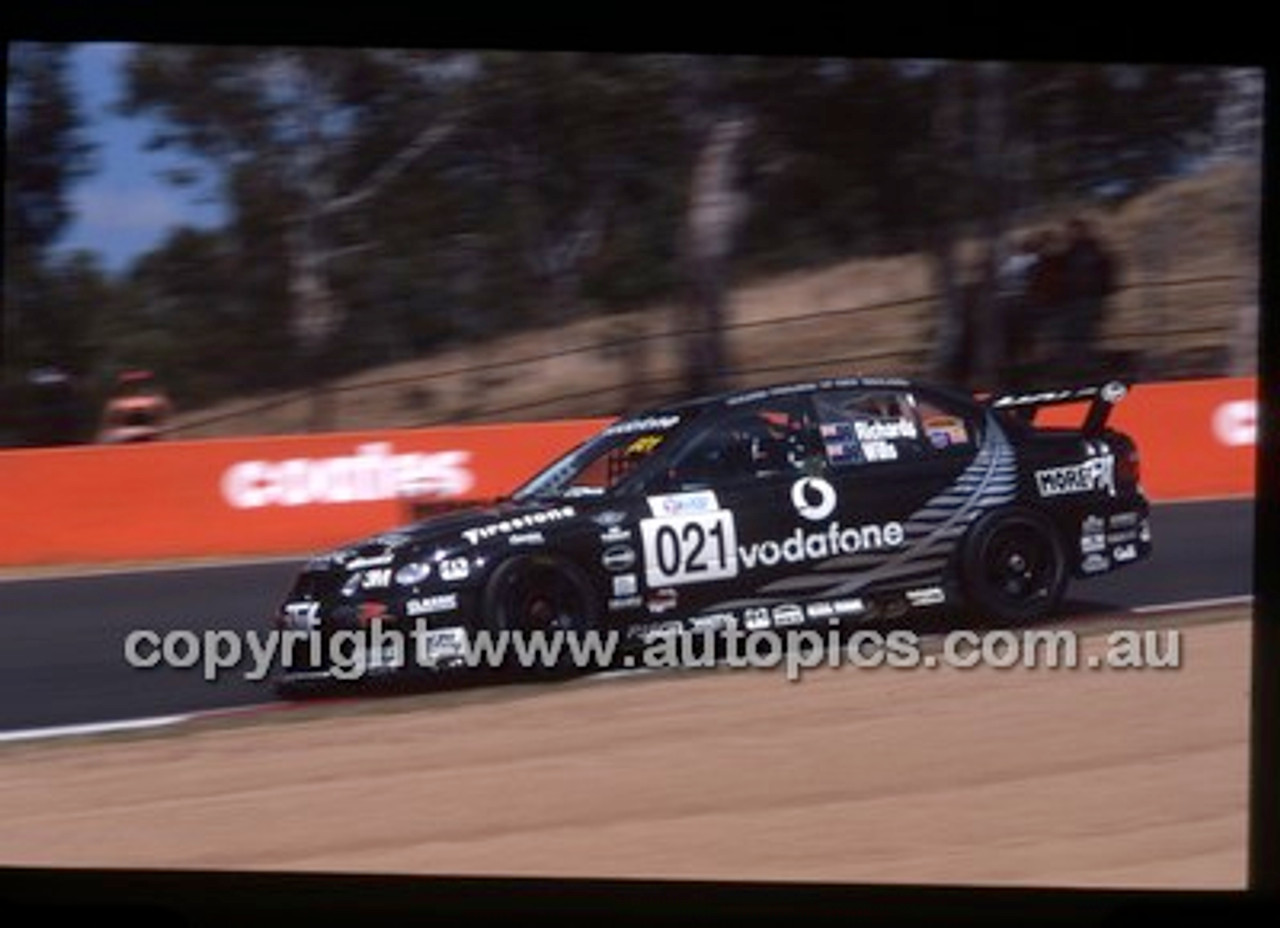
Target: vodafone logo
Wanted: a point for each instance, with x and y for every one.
(1236, 423)
(814, 498)
(374, 472)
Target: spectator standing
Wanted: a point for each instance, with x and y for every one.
(1088, 277)
(1044, 300)
(1013, 284)
(55, 413)
(138, 409)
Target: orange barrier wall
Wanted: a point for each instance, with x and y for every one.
(252, 496)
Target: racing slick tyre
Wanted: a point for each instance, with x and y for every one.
(540, 593)
(1013, 567)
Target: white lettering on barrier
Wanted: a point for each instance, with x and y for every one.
(1235, 423)
(374, 472)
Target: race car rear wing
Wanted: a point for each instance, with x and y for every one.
(1100, 397)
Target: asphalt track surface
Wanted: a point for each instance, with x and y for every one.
(62, 662)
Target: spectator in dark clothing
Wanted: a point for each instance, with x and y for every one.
(970, 291)
(1013, 285)
(55, 412)
(137, 411)
(1045, 298)
(1088, 278)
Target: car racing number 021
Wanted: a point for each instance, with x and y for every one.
(689, 548)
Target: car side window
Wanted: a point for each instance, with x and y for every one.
(945, 427)
(868, 427)
(773, 437)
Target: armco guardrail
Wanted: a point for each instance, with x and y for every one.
(284, 495)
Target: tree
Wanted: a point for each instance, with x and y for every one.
(383, 203)
(715, 212)
(990, 170)
(944, 209)
(1238, 137)
(46, 153)
(711, 98)
(1041, 137)
(563, 198)
(187, 319)
(303, 130)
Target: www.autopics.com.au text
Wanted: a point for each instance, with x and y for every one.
(350, 654)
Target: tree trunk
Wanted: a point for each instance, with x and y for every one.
(1239, 138)
(317, 313)
(989, 324)
(949, 361)
(715, 212)
(314, 317)
(1152, 248)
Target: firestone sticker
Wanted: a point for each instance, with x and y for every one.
(518, 523)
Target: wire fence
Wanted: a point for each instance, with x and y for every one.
(913, 359)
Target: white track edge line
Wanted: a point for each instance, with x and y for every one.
(1187, 604)
(93, 728)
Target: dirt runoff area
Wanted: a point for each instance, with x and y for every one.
(998, 777)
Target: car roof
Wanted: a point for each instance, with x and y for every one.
(731, 399)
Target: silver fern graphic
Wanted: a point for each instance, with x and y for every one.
(931, 533)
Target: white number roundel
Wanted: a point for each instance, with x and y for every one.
(813, 497)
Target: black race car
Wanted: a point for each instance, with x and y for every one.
(840, 500)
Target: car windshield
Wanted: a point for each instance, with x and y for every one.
(602, 463)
